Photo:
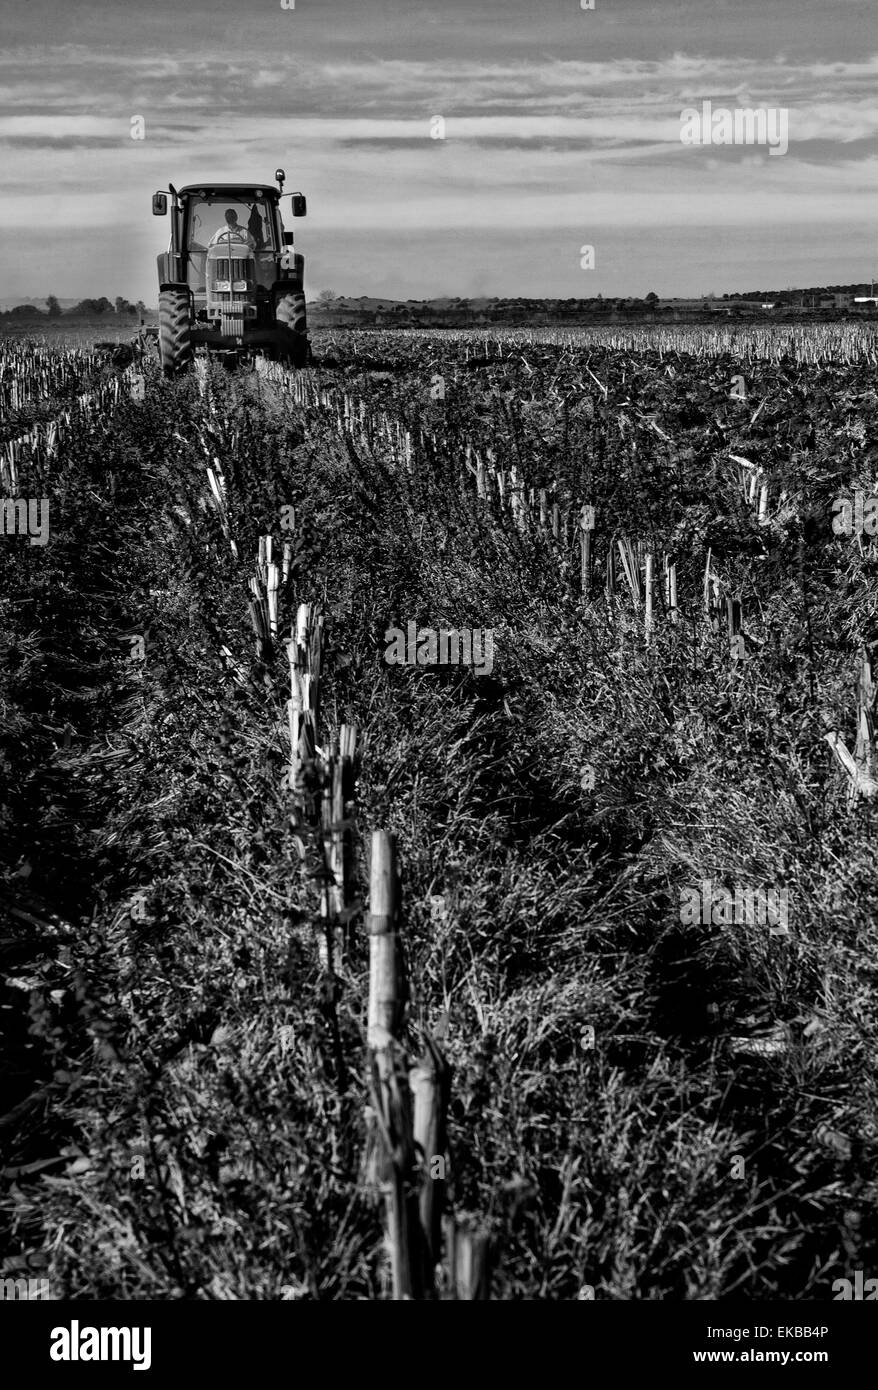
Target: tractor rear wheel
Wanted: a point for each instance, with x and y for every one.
(175, 331)
(290, 311)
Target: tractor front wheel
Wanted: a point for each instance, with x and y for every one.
(175, 331)
(290, 311)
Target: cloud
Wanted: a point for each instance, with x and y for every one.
(58, 142)
(541, 139)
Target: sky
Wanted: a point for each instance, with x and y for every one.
(562, 129)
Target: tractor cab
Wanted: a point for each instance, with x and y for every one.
(232, 245)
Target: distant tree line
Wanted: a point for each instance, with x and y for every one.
(792, 296)
(457, 311)
(86, 308)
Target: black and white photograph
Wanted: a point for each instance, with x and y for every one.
(439, 669)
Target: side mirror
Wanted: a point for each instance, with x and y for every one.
(300, 206)
(288, 238)
(159, 204)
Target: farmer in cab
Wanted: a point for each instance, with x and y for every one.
(232, 231)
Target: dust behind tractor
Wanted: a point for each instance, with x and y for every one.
(230, 281)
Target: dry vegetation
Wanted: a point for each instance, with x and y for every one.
(184, 1085)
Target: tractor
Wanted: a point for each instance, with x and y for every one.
(230, 281)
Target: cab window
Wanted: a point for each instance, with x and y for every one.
(206, 216)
